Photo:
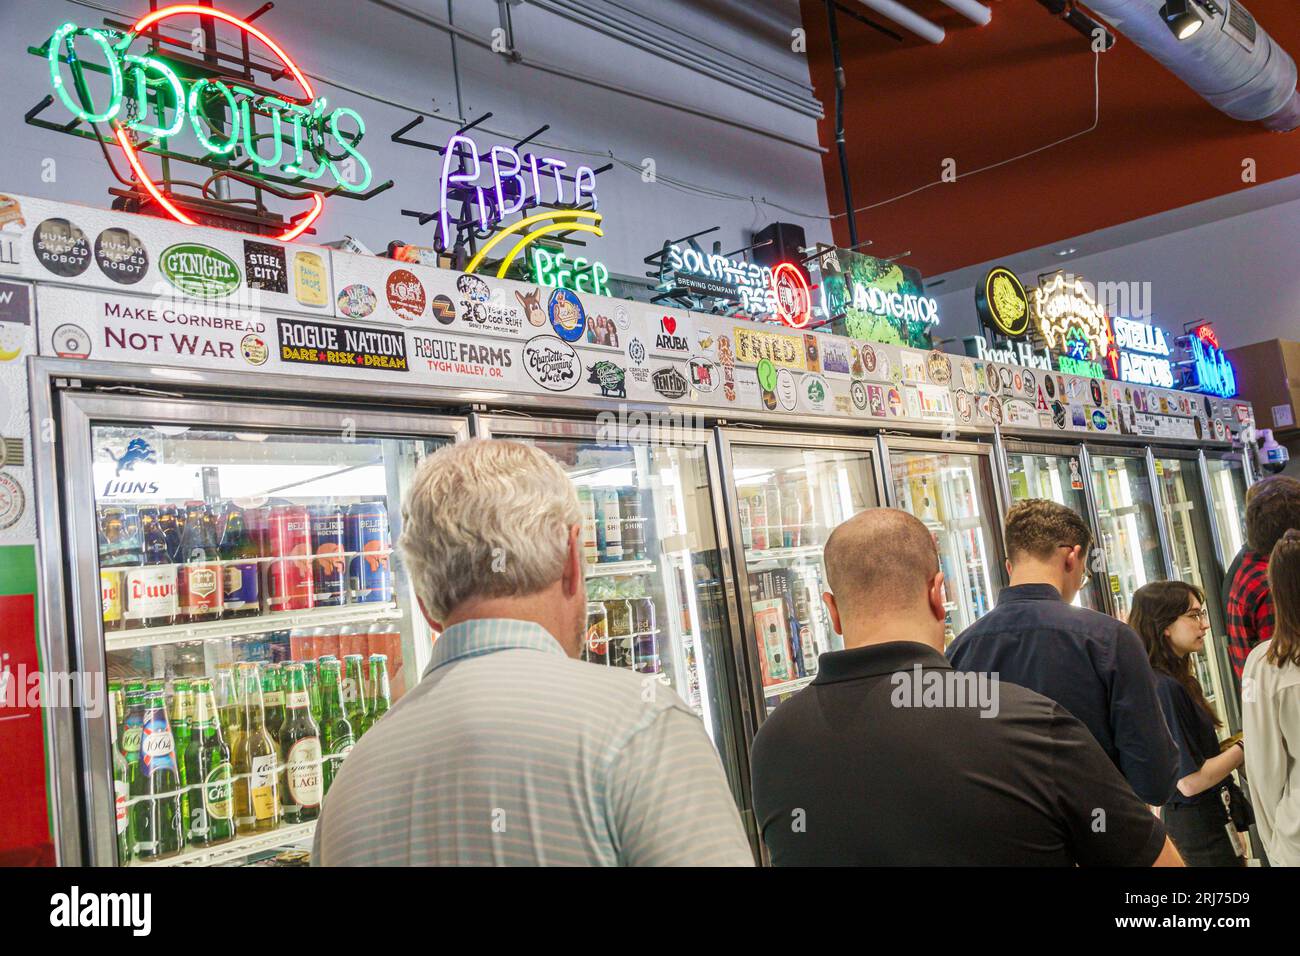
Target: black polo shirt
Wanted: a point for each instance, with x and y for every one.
(843, 774)
(1091, 664)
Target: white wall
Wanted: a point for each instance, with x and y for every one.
(364, 46)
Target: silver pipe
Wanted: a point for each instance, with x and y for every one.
(905, 18)
(970, 9)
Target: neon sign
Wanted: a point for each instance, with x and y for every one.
(748, 282)
(504, 184)
(144, 84)
(1213, 374)
(1002, 303)
(557, 270)
(1071, 321)
(1141, 354)
(896, 305)
(792, 295)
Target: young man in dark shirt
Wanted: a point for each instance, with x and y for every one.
(1091, 664)
(891, 758)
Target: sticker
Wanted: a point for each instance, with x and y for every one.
(670, 383)
(704, 340)
(15, 317)
(610, 378)
(532, 306)
(994, 381)
(1005, 378)
(867, 359)
(1095, 388)
(552, 363)
(443, 309)
(198, 270)
(811, 354)
(876, 397)
(12, 501)
(835, 357)
(61, 247)
(939, 367)
(621, 319)
(913, 365)
(785, 351)
(785, 390)
(320, 343)
(814, 392)
(894, 402)
(264, 267)
(309, 279)
(121, 256)
(636, 351)
(405, 294)
(667, 339)
(1018, 382)
(473, 288)
(1042, 400)
(1220, 430)
(11, 213)
(858, 391)
(357, 301)
(965, 405)
(568, 318)
(458, 357)
(1076, 479)
(70, 341)
(1049, 385)
(767, 376)
(705, 374)
(968, 375)
(1077, 416)
(254, 350)
(1099, 420)
(601, 330)
(1199, 430)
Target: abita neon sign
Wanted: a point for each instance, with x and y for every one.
(132, 76)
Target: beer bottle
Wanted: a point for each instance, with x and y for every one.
(380, 696)
(273, 699)
(114, 555)
(117, 696)
(179, 712)
(208, 773)
(354, 693)
(255, 760)
(199, 581)
(313, 689)
(227, 703)
(121, 788)
(170, 526)
(150, 587)
(154, 784)
(239, 552)
(301, 788)
(337, 737)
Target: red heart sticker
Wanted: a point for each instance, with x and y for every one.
(669, 324)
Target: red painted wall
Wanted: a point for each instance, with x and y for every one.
(989, 93)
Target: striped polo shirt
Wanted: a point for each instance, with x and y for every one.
(510, 753)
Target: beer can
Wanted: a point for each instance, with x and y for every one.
(643, 615)
(645, 654)
(619, 616)
(111, 598)
(590, 547)
(289, 581)
(758, 521)
(629, 503)
(596, 647)
(613, 550)
(366, 533)
(329, 570)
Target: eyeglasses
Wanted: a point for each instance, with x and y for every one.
(1200, 614)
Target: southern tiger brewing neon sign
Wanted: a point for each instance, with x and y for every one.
(131, 76)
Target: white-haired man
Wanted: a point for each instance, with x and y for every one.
(511, 751)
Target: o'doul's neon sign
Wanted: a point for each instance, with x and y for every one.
(304, 120)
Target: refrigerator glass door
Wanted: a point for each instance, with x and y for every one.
(1126, 511)
(788, 501)
(656, 600)
(947, 492)
(223, 552)
(1228, 501)
(1056, 478)
(1192, 550)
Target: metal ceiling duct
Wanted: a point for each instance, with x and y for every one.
(972, 10)
(1231, 61)
(907, 19)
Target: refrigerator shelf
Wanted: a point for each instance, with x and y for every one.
(620, 567)
(239, 847)
(244, 626)
(789, 686)
(756, 556)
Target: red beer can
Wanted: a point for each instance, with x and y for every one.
(289, 578)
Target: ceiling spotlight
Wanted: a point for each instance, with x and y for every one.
(1180, 18)
(1066, 252)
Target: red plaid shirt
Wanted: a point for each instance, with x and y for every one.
(1250, 609)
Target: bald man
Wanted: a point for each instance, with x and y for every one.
(892, 758)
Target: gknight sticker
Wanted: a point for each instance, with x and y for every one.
(265, 268)
(12, 500)
(199, 271)
(705, 374)
(814, 392)
(552, 363)
(812, 355)
(876, 397)
(71, 341)
(61, 247)
(121, 256)
(568, 318)
(253, 349)
(531, 303)
(405, 294)
(611, 379)
(601, 330)
(667, 339)
(357, 301)
(786, 392)
(320, 343)
(455, 357)
(443, 309)
(309, 279)
(669, 383)
(858, 392)
(835, 357)
(940, 368)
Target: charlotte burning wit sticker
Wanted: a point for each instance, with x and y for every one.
(317, 343)
(552, 363)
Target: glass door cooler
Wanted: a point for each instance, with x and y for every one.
(657, 582)
(234, 595)
(1226, 481)
(1126, 518)
(1194, 561)
(789, 492)
(1055, 473)
(950, 488)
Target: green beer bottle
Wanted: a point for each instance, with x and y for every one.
(228, 710)
(121, 789)
(301, 787)
(380, 695)
(337, 736)
(154, 783)
(313, 689)
(179, 713)
(354, 693)
(209, 772)
(256, 761)
(273, 698)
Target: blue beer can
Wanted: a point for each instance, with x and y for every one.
(369, 544)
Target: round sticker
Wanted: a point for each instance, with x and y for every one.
(121, 256)
(766, 375)
(443, 309)
(868, 358)
(621, 319)
(473, 288)
(995, 410)
(254, 349)
(71, 341)
(405, 294)
(12, 501)
(965, 407)
(1095, 388)
(1030, 382)
(357, 301)
(567, 315)
(939, 367)
(61, 247)
(785, 390)
(1049, 385)
(859, 393)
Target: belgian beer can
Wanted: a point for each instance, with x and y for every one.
(289, 581)
(329, 570)
(366, 535)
